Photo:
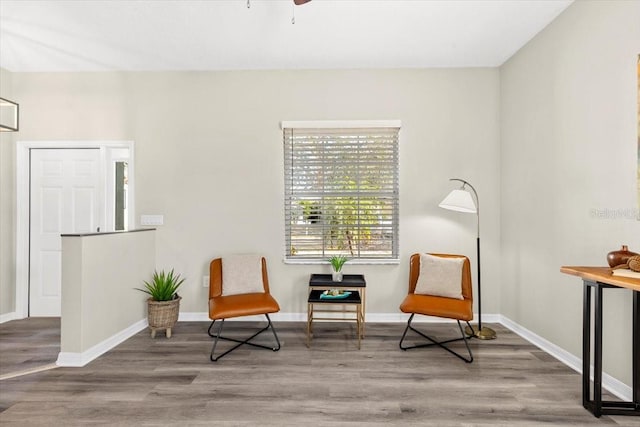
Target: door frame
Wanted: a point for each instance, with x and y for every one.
(23, 166)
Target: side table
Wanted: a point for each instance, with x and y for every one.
(355, 283)
(598, 279)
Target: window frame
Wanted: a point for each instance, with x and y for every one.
(332, 126)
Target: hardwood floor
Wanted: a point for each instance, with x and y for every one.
(28, 344)
(163, 381)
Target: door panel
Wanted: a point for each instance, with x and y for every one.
(50, 263)
(51, 203)
(83, 210)
(65, 198)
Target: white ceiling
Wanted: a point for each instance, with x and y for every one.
(97, 35)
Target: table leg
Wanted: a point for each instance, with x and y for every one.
(363, 311)
(597, 356)
(359, 323)
(636, 349)
(586, 345)
(597, 406)
(309, 320)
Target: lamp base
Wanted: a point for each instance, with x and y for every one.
(483, 334)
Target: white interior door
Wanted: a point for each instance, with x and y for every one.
(65, 197)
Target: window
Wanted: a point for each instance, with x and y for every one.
(341, 189)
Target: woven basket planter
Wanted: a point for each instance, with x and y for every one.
(163, 315)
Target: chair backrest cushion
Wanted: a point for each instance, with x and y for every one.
(242, 274)
(440, 276)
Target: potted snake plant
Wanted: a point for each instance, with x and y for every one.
(163, 305)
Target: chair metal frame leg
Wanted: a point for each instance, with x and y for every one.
(438, 343)
(218, 336)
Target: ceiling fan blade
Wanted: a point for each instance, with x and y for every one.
(299, 2)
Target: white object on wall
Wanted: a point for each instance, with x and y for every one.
(151, 219)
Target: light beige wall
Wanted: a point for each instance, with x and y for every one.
(71, 305)
(569, 141)
(7, 203)
(99, 274)
(209, 158)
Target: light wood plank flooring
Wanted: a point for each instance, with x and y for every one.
(147, 382)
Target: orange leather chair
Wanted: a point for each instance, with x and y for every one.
(223, 307)
(430, 305)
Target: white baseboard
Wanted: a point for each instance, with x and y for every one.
(302, 317)
(614, 386)
(403, 317)
(8, 317)
(276, 317)
(68, 359)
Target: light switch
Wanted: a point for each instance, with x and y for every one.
(205, 281)
(151, 219)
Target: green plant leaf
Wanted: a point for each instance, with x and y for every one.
(337, 261)
(163, 286)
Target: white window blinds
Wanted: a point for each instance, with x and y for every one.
(341, 192)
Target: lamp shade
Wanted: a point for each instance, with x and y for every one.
(459, 200)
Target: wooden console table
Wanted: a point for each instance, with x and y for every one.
(599, 278)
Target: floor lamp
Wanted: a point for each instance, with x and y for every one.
(460, 200)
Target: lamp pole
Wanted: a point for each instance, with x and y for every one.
(479, 332)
